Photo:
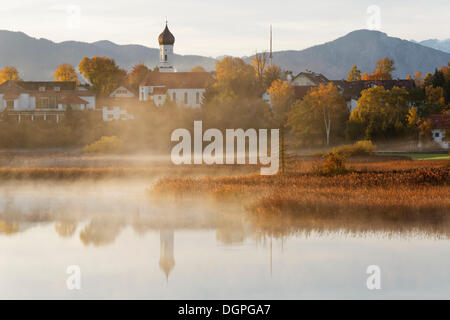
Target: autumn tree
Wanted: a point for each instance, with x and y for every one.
(354, 74)
(320, 116)
(259, 63)
(417, 126)
(434, 101)
(272, 73)
(265, 73)
(65, 72)
(233, 100)
(137, 75)
(282, 98)
(384, 69)
(102, 73)
(236, 75)
(198, 69)
(380, 113)
(418, 79)
(9, 73)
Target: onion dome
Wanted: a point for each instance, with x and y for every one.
(166, 37)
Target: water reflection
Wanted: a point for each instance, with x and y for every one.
(101, 216)
(167, 259)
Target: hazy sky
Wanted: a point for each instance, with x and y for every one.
(214, 28)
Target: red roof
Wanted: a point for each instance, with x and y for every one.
(178, 80)
(440, 121)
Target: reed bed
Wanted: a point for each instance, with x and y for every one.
(394, 194)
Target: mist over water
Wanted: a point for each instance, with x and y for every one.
(130, 245)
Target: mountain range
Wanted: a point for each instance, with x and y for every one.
(36, 59)
(443, 45)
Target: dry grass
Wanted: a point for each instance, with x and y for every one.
(74, 173)
(398, 194)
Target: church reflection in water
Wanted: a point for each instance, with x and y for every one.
(167, 259)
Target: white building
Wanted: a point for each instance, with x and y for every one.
(43, 100)
(185, 88)
(440, 126)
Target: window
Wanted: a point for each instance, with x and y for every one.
(52, 102)
(10, 104)
(174, 96)
(57, 89)
(165, 57)
(41, 89)
(197, 98)
(42, 102)
(185, 98)
(436, 134)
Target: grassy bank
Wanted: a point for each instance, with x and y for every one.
(419, 156)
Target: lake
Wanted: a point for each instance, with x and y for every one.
(129, 246)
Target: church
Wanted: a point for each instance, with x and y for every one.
(185, 88)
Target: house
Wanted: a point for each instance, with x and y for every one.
(184, 88)
(308, 79)
(120, 104)
(43, 100)
(440, 127)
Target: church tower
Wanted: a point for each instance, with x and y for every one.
(166, 41)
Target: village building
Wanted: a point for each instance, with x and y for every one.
(350, 90)
(120, 104)
(184, 88)
(43, 100)
(440, 127)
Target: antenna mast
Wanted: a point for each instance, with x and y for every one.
(270, 56)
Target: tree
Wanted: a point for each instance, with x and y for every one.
(137, 75)
(259, 63)
(418, 79)
(102, 73)
(417, 126)
(272, 73)
(198, 69)
(236, 75)
(281, 97)
(354, 74)
(434, 102)
(380, 113)
(384, 69)
(9, 73)
(320, 115)
(65, 72)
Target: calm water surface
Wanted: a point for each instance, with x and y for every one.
(129, 246)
